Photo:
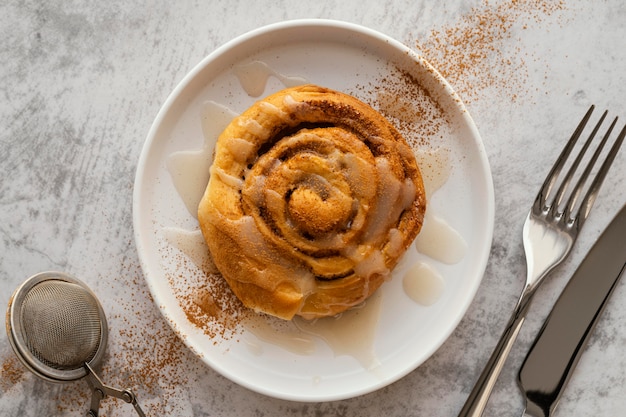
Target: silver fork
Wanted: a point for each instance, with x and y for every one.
(549, 233)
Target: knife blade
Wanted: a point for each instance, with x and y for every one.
(558, 346)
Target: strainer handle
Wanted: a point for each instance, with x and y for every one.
(99, 391)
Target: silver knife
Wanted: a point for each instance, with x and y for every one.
(560, 342)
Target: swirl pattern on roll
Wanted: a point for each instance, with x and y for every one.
(313, 198)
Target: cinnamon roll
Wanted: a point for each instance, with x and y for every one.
(313, 198)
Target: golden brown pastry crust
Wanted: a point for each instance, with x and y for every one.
(313, 197)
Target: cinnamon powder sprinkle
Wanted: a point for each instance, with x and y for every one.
(474, 54)
(407, 105)
(205, 297)
(146, 355)
(11, 373)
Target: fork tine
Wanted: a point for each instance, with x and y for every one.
(583, 178)
(592, 193)
(570, 174)
(546, 188)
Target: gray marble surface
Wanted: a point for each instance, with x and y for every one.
(81, 83)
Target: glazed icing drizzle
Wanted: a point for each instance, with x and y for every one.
(189, 170)
(254, 75)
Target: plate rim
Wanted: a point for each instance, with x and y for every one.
(166, 107)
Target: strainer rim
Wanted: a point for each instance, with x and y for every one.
(15, 334)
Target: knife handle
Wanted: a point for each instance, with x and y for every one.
(550, 362)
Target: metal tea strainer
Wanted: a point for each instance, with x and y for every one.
(58, 329)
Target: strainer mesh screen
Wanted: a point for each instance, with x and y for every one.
(61, 324)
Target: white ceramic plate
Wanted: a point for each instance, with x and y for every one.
(370, 66)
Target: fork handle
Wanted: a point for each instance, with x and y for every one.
(477, 400)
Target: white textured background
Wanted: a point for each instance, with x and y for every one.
(81, 82)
